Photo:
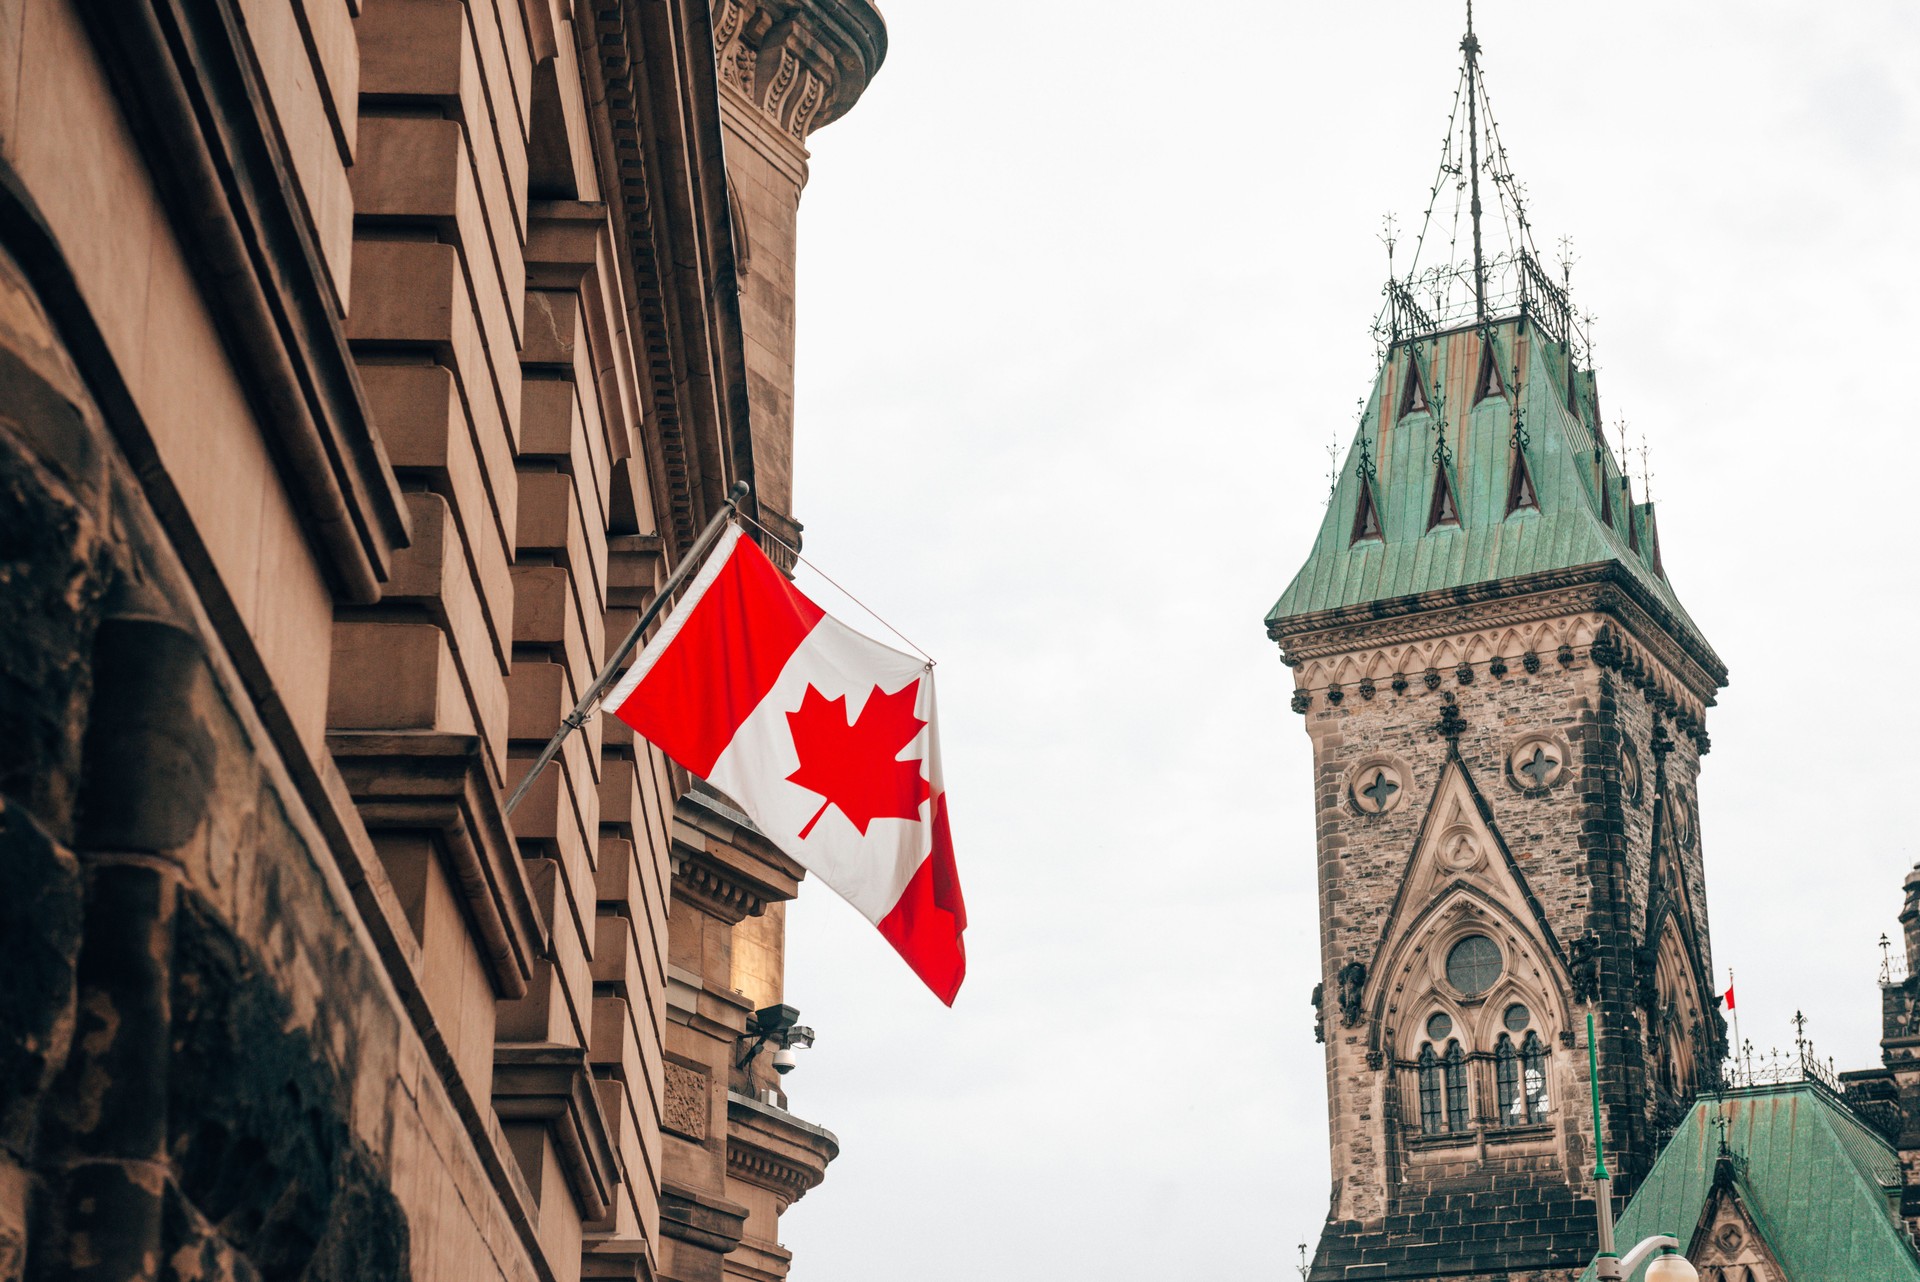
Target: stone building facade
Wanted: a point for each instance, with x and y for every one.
(1507, 706)
(365, 368)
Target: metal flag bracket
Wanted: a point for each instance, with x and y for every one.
(589, 702)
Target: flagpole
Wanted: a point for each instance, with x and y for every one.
(581, 710)
(1735, 1008)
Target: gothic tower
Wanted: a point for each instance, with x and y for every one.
(1507, 706)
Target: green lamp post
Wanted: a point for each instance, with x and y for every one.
(1609, 1266)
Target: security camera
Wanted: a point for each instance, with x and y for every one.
(785, 1061)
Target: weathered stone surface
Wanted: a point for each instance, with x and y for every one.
(53, 573)
(39, 948)
(148, 761)
(258, 1139)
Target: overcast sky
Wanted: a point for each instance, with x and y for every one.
(1084, 292)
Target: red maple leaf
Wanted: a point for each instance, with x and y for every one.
(853, 764)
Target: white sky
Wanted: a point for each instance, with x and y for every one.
(1084, 291)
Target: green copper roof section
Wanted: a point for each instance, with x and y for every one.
(1815, 1181)
(1584, 515)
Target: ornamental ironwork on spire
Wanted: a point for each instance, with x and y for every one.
(1497, 273)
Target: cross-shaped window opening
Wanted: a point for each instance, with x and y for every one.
(1540, 767)
(1380, 791)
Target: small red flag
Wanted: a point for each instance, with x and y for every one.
(1728, 995)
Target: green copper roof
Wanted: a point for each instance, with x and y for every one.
(1817, 1183)
(1584, 513)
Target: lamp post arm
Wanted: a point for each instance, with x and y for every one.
(1642, 1253)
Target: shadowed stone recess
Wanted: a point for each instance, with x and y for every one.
(257, 1136)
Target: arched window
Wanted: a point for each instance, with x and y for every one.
(1456, 1087)
(1533, 1058)
(1432, 1118)
(1506, 1078)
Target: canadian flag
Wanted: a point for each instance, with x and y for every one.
(826, 738)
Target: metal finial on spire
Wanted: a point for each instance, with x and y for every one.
(1497, 272)
(1470, 45)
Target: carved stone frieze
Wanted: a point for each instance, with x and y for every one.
(687, 1102)
(1541, 616)
(801, 63)
(1500, 641)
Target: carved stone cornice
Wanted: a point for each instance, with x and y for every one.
(772, 1149)
(549, 1083)
(1603, 588)
(428, 781)
(801, 63)
(722, 864)
(663, 148)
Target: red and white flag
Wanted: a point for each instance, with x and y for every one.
(826, 738)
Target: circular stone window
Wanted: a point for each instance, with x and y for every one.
(1630, 779)
(1473, 965)
(1377, 786)
(1517, 1018)
(1439, 1026)
(1460, 849)
(1537, 763)
(1683, 817)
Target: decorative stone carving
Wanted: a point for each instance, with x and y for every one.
(1319, 1013)
(1378, 784)
(1352, 978)
(1683, 827)
(1632, 782)
(1583, 961)
(801, 63)
(1301, 701)
(1537, 762)
(1366, 688)
(1461, 850)
(1451, 724)
(1563, 620)
(772, 1149)
(687, 1104)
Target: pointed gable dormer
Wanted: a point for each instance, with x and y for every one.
(1366, 515)
(1442, 509)
(1413, 392)
(1488, 382)
(1520, 492)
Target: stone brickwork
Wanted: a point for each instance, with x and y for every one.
(1510, 769)
(366, 366)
